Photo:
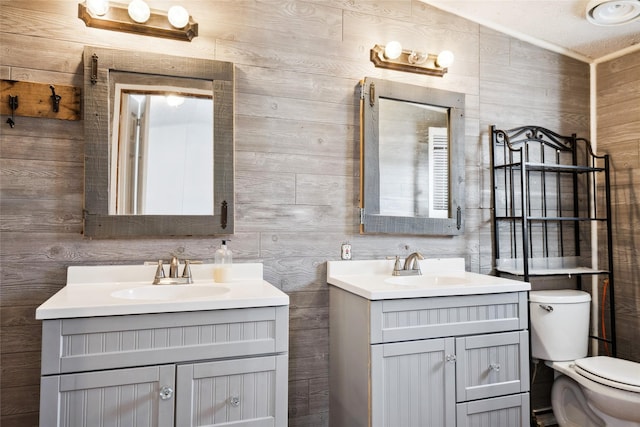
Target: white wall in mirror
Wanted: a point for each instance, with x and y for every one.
(413, 151)
(162, 151)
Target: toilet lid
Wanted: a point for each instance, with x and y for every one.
(618, 373)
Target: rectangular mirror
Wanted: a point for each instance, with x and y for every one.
(158, 144)
(412, 159)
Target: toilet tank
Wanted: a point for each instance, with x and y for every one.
(559, 324)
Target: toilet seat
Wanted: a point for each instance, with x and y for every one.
(618, 373)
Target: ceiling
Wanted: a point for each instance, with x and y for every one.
(558, 25)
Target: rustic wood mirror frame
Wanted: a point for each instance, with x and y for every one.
(98, 62)
(371, 221)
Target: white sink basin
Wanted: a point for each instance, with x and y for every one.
(170, 292)
(373, 279)
(425, 280)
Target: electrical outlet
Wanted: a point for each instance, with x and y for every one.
(345, 251)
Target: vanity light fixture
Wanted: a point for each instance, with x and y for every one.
(136, 17)
(393, 57)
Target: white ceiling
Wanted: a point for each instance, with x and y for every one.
(558, 25)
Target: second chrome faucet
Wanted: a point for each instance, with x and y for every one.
(411, 265)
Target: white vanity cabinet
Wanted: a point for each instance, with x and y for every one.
(218, 367)
(429, 362)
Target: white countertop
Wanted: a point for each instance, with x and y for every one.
(442, 277)
(89, 290)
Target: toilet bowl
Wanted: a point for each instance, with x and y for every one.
(588, 391)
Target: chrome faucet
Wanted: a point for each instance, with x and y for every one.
(173, 279)
(411, 265)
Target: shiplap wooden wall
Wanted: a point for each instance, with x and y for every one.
(618, 127)
(298, 66)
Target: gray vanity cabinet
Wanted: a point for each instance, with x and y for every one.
(429, 362)
(206, 368)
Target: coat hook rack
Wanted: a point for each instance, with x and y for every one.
(39, 100)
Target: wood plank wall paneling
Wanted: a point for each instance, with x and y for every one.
(618, 97)
(298, 67)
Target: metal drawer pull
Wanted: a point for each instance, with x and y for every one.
(546, 307)
(494, 367)
(166, 393)
(234, 401)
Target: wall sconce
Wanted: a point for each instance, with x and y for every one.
(393, 57)
(137, 17)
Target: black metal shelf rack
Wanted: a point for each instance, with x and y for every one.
(551, 202)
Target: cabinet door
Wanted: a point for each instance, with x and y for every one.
(248, 392)
(122, 397)
(412, 384)
(492, 365)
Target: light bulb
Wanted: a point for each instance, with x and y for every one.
(175, 100)
(445, 59)
(139, 11)
(98, 7)
(417, 57)
(178, 16)
(392, 50)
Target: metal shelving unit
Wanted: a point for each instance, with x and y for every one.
(551, 202)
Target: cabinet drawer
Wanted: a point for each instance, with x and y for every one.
(492, 365)
(507, 411)
(95, 343)
(239, 393)
(419, 318)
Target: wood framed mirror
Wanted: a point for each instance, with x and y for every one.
(412, 159)
(152, 166)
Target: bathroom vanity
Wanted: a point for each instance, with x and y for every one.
(446, 348)
(119, 351)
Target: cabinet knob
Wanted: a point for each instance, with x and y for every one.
(166, 393)
(234, 401)
(494, 367)
(451, 358)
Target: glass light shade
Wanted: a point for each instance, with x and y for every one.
(445, 59)
(98, 7)
(393, 50)
(139, 11)
(178, 16)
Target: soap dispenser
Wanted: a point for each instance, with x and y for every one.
(222, 264)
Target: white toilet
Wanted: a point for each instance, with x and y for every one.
(588, 391)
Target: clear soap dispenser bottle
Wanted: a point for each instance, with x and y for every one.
(222, 264)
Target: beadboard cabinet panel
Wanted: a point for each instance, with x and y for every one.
(108, 394)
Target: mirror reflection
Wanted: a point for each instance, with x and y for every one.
(162, 151)
(414, 159)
